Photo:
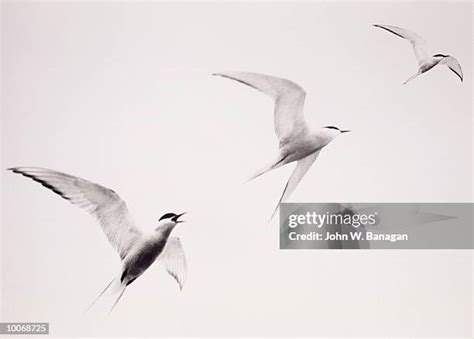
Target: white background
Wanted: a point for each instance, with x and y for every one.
(122, 94)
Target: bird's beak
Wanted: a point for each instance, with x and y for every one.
(345, 131)
(177, 217)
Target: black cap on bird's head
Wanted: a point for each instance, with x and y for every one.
(337, 129)
(439, 55)
(172, 216)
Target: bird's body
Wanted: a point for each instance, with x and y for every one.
(425, 61)
(138, 250)
(428, 63)
(297, 141)
(142, 256)
(294, 149)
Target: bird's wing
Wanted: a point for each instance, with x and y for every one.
(417, 42)
(101, 202)
(174, 261)
(288, 99)
(453, 65)
(298, 173)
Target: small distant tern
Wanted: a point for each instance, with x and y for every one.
(297, 141)
(425, 62)
(138, 250)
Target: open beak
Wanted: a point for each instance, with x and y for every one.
(177, 217)
(345, 130)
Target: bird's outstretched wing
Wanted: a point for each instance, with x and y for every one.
(417, 42)
(453, 65)
(288, 99)
(298, 173)
(174, 261)
(101, 202)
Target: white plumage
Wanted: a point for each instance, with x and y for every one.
(297, 142)
(425, 61)
(137, 249)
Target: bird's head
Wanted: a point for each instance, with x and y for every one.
(170, 220)
(331, 131)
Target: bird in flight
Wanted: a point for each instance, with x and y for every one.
(137, 249)
(425, 61)
(297, 142)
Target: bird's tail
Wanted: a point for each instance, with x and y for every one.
(118, 294)
(411, 78)
(280, 161)
(115, 289)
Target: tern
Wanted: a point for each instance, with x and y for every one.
(137, 249)
(425, 61)
(297, 142)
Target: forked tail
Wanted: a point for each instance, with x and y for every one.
(411, 78)
(119, 294)
(280, 161)
(298, 173)
(115, 290)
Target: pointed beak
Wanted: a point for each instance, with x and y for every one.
(177, 217)
(345, 131)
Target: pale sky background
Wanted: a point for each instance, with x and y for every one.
(122, 94)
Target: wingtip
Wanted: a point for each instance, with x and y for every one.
(250, 179)
(226, 74)
(21, 169)
(274, 212)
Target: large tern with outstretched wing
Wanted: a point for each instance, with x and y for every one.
(137, 249)
(297, 141)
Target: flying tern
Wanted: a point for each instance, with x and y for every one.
(425, 61)
(297, 142)
(137, 249)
